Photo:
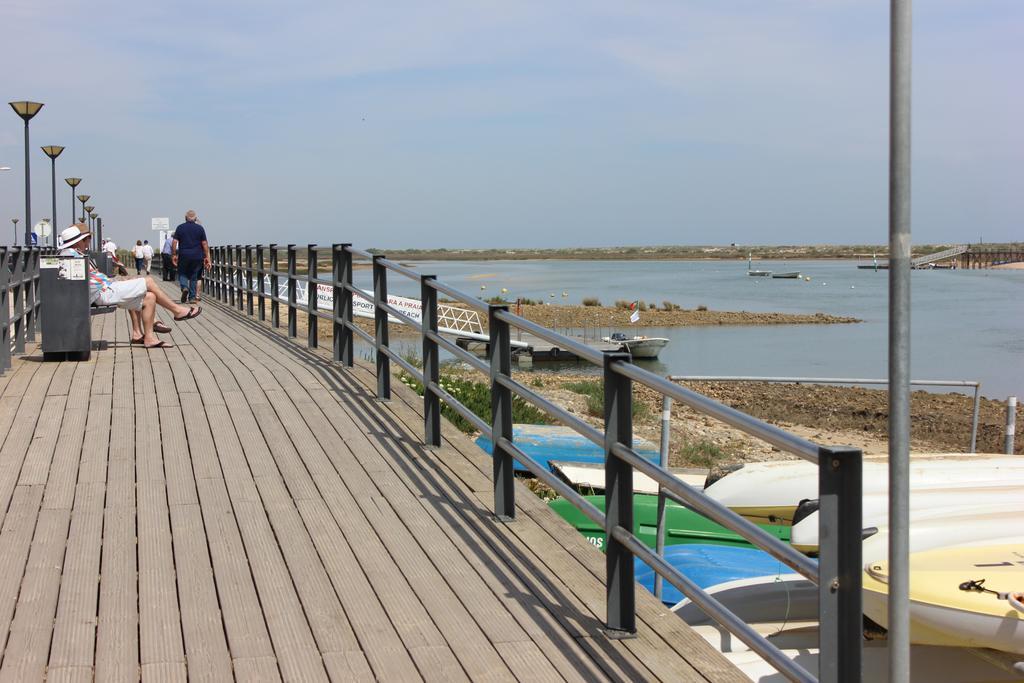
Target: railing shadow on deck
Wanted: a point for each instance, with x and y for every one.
(242, 279)
(376, 418)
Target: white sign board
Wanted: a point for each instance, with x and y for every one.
(161, 223)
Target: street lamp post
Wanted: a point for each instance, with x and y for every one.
(26, 110)
(53, 151)
(15, 221)
(73, 182)
(83, 198)
(92, 220)
(89, 216)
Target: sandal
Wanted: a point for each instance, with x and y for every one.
(193, 313)
(161, 328)
(140, 340)
(160, 345)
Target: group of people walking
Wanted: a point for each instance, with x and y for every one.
(188, 252)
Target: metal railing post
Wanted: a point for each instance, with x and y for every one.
(311, 302)
(431, 372)
(31, 269)
(499, 350)
(343, 350)
(380, 327)
(666, 429)
(214, 279)
(618, 496)
(240, 276)
(839, 564)
(275, 311)
(248, 280)
(1011, 424)
(293, 318)
(974, 418)
(230, 275)
(19, 304)
(5, 310)
(261, 286)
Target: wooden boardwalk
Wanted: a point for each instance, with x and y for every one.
(239, 508)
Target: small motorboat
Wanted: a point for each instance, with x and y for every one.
(791, 275)
(638, 346)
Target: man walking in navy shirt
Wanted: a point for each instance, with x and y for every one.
(190, 252)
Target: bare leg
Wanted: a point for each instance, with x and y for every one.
(148, 316)
(137, 327)
(163, 300)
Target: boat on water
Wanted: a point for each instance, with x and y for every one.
(755, 273)
(791, 275)
(682, 525)
(638, 346)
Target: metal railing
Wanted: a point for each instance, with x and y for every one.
(238, 280)
(19, 301)
(846, 380)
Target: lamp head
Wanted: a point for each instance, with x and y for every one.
(73, 182)
(89, 208)
(83, 198)
(92, 215)
(26, 110)
(15, 220)
(52, 151)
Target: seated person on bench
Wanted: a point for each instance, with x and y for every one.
(139, 295)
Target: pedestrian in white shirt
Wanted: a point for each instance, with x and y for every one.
(147, 253)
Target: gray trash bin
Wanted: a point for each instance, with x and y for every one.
(64, 312)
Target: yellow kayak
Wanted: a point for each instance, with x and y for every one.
(960, 596)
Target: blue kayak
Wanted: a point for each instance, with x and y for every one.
(710, 565)
(563, 444)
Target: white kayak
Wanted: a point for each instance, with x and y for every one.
(988, 502)
(769, 492)
(958, 596)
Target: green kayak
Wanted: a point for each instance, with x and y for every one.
(682, 525)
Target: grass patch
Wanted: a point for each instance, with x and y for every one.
(593, 390)
(700, 454)
(591, 301)
(476, 396)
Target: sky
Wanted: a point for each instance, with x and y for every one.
(515, 124)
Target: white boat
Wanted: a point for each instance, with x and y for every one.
(799, 641)
(759, 273)
(769, 492)
(638, 346)
(791, 275)
(938, 517)
(961, 597)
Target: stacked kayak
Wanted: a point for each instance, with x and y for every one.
(962, 596)
(770, 492)
(682, 525)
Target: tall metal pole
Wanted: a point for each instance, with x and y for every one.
(15, 221)
(899, 341)
(28, 194)
(53, 197)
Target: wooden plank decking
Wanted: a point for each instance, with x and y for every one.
(238, 507)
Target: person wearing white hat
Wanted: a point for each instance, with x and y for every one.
(139, 295)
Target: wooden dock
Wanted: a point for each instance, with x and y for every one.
(237, 507)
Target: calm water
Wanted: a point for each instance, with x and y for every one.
(965, 324)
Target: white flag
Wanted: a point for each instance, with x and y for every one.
(634, 316)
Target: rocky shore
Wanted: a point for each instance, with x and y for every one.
(608, 316)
